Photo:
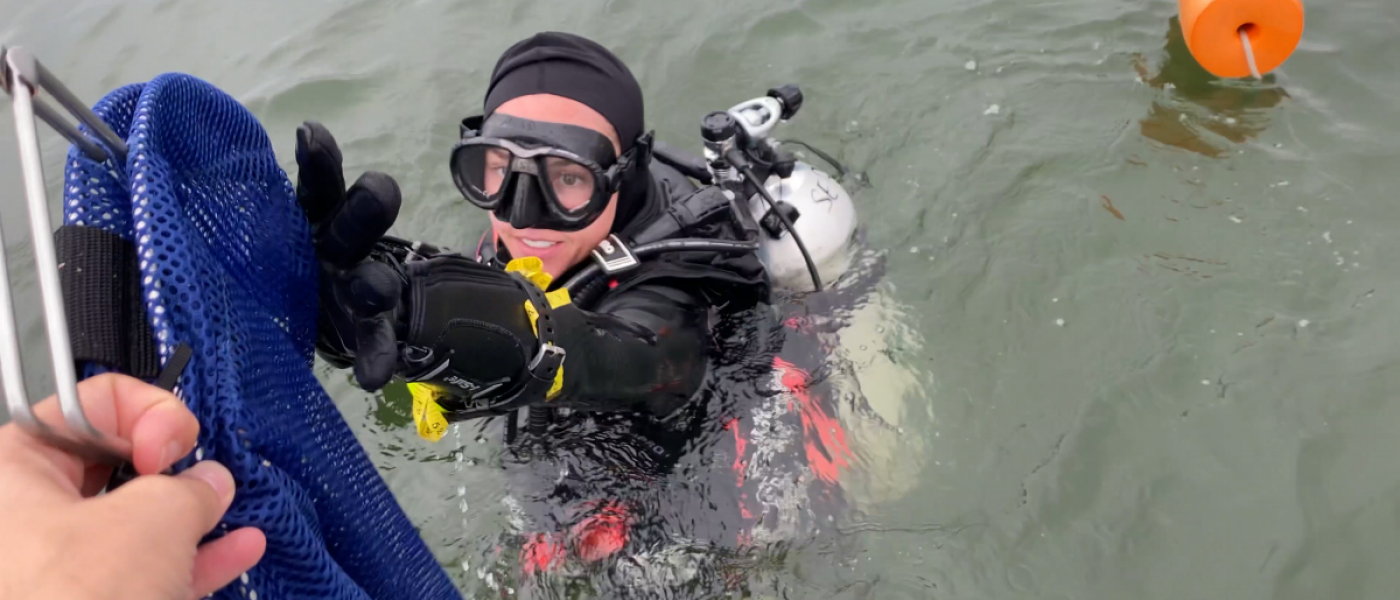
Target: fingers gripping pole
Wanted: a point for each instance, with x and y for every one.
(23, 78)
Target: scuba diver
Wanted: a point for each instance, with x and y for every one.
(560, 161)
(606, 290)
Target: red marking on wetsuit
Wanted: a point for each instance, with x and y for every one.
(827, 450)
(612, 284)
(797, 323)
(740, 445)
(603, 533)
(542, 553)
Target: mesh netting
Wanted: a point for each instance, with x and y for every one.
(228, 269)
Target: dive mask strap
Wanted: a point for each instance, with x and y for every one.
(470, 127)
(642, 149)
(638, 156)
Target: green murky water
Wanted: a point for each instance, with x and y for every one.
(1136, 330)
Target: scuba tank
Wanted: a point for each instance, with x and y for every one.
(806, 219)
(827, 223)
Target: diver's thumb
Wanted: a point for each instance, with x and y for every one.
(374, 296)
(377, 352)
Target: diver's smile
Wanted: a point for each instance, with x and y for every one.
(534, 242)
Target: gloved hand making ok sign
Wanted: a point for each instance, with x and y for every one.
(360, 298)
(388, 307)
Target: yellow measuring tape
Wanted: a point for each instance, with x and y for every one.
(428, 414)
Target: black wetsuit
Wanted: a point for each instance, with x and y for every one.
(688, 365)
(632, 403)
(650, 328)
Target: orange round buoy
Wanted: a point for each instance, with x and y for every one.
(1212, 29)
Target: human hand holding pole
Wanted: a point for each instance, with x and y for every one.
(141, 541)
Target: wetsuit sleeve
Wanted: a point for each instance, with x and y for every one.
(644, 346)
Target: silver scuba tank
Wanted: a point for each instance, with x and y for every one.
(819, 208)
(826, 221)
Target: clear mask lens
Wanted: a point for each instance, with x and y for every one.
(485, 169)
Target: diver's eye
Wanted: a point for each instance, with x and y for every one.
(496, 164)
(572, 183)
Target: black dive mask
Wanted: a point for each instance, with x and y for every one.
(536, 174)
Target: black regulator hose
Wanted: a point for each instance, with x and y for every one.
(538, 418)
(737, 159)
(593, 270)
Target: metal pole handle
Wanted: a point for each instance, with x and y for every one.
(23, 79)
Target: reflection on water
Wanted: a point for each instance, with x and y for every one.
(1232, 110)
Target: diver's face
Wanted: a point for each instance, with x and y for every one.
(559, 250)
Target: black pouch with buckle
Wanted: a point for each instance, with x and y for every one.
(469, 334)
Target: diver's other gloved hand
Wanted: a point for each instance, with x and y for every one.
(360, 290)
(469, 331)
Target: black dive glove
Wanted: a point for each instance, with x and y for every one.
(388, 309)
(359, 297)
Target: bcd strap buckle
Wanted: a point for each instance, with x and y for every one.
(614, 256)
(548, 351)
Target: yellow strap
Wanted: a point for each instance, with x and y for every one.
(427, 415)
(533, 269)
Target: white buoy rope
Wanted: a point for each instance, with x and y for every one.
(1249, 53)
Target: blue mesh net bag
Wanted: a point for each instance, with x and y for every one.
(227, 268)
